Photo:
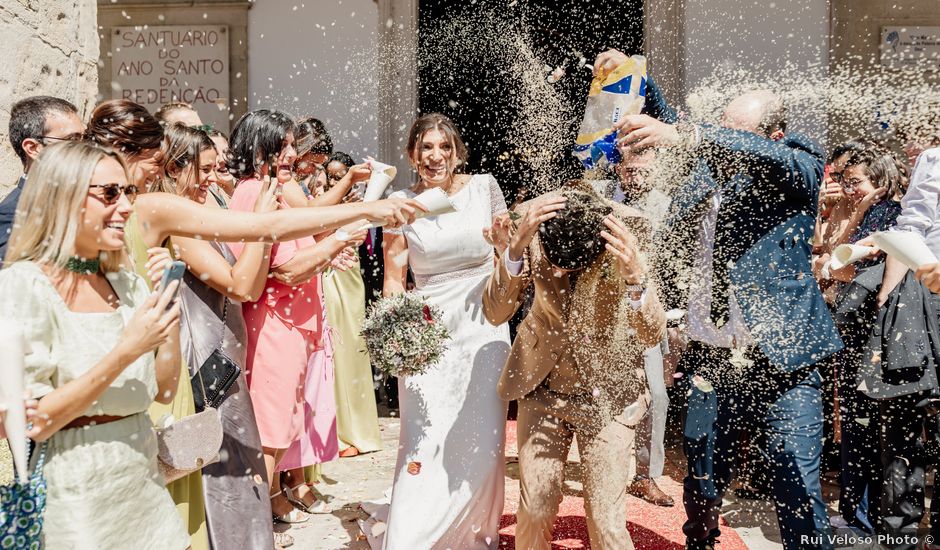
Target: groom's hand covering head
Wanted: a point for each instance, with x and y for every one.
(572, 239)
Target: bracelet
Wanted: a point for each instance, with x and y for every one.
(636, 288)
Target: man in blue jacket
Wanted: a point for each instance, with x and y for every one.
(35, 122)
(737, 257)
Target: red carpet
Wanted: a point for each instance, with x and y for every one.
(652, 527)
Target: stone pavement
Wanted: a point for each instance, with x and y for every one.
(366, 477)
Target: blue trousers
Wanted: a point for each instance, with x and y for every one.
(787, 407)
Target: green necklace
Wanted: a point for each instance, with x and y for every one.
(83, 266)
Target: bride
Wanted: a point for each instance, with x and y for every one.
(448, 490)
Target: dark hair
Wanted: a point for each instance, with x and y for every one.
(312, 137)
(439, 122)
(125, 126)
(184, 145)
(851, 146)
(882, 167)
(572, 239)
(257, 136)
(28, 119)
(342, 158)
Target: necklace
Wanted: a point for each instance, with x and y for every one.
(83, 266)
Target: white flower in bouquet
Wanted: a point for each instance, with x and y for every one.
(404, 335)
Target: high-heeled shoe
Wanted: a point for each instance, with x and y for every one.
(318, 506)
(294, 516)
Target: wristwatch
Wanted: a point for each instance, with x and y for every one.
(639, 286)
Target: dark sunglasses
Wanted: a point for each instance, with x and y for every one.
(111, 192)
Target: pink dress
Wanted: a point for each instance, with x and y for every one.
(284, 329)
(319, 443)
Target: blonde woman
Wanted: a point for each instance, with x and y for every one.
(92, 328)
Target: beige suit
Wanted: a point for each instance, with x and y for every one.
(576, 367)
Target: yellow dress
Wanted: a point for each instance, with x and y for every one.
(357, 420)
(186, 491)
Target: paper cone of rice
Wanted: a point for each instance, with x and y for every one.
(382, 176)
(906, 246)
(436, 201)
(12, 352)
(846, 254)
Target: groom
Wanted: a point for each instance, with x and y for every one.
(576, 365)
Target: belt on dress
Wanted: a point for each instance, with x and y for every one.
(95, 420)
(484, 268)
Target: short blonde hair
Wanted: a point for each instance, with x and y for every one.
(50, 209)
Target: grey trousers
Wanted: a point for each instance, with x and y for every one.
(651, 432)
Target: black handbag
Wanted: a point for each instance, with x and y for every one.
(216, 376)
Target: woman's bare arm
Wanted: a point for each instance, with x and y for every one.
(161, 215)
(243, 282)
(396, 263)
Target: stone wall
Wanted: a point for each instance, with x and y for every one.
(50, 47)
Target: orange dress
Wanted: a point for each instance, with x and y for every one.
(284, 329)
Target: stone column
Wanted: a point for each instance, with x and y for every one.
(663, 39)
(50, 47)
(398, 82)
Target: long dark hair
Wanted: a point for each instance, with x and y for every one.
(184, 145)
(312, 137)
(124, 125)
(257, 135)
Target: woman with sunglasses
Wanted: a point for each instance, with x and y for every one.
(93, 327)
(131, 129)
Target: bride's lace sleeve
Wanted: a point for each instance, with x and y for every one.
(497, 200)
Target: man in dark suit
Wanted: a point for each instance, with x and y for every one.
(34, 123)
(737, 258)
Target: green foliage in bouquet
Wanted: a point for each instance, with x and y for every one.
(404, 334)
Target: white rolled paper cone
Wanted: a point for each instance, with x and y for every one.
(12, 352)
(382, 176)
(906, 246)
(846, 254)
(436, 201)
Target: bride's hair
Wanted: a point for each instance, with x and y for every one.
(444, 125)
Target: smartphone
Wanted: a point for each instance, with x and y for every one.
(174, 272)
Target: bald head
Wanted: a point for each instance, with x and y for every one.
(758, 111)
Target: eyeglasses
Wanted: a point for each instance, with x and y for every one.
(836, 176)
(70, 137)
(111, 192)
(852, 184)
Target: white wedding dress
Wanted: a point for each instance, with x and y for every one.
(452, 420)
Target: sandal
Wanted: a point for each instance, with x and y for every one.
(349, 452)
(318, 506)
(282, 540)
(294, 516)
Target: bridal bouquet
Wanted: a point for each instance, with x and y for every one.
(404, 335)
